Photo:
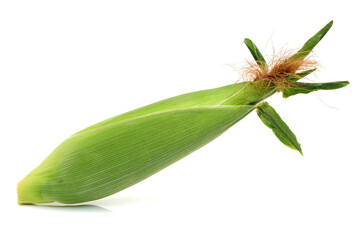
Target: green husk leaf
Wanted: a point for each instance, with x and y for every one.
(312, 42)
(300, 75)
(271, 119)
(255, 52)
(305, 88)
(234, 94)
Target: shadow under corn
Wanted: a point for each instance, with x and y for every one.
(69, 208)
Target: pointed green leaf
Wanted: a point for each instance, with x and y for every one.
(311, 87)
(312, 42)
(255, 52)
(271, 119)
(300, 75)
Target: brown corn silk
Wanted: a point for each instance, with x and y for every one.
(276, 75)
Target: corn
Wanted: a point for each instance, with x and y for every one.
(121, 151)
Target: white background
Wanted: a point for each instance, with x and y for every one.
(65, 65)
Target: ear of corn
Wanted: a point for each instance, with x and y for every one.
(127, 148)
(121, 151)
